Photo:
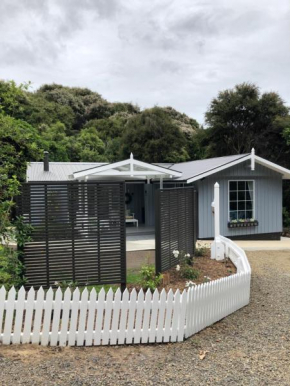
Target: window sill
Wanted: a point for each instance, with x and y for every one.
(243, 224)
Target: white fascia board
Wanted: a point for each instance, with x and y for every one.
(151, 168)
(218, 169)
(134, 173)
(271, 165)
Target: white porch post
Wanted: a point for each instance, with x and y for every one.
(217, 247)
(161, 182)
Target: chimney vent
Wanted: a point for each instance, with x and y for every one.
(46, 161)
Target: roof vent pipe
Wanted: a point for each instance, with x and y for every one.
(46, 161)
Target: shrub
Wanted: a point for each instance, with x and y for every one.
(11, 269)
(149, 278)
(200, 250)
(187, 272)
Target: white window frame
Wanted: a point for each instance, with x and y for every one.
(254, 196)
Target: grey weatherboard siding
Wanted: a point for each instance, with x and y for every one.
(267, 201)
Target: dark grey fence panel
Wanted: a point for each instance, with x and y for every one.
(176, 224)
(78, 232)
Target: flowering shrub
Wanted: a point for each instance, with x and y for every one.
(200, 249)
(185, 265)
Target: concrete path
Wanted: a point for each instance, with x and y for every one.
(259, 245)
(140, 243)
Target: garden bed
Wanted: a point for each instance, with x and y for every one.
(208, 270)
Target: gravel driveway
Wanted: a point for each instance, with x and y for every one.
(250, 347)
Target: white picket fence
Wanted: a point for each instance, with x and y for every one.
(90, 319)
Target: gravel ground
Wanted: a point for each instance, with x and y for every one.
(250, 347)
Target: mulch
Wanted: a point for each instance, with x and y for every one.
(206, 267)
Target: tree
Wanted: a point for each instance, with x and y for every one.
(152, 136)
(19, 143)
(242, 118)
(89, 146)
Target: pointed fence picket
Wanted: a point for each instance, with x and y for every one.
(58, 318)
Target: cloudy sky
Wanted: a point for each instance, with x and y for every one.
(155, 52)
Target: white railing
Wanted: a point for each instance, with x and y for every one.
(58, 318)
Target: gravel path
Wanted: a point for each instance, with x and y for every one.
(250, 347)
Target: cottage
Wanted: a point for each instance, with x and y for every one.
(250, 190)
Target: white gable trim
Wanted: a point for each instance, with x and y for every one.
(271, 165)
(218, 169)
(254, 158)
(111, 169)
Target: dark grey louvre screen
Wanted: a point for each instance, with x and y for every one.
(78, 232)
(175, 224)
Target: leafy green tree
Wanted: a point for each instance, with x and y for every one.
(242, 118)
(152, 136)
(13, 98)
(56, 142)
(89, 146)
(19, 143)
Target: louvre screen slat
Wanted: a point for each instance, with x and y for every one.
(175, 224)
(78, 232)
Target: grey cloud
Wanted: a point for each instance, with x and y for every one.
(52, 24)
(165, 52)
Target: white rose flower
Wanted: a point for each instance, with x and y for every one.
(178, 267)
(175, 253)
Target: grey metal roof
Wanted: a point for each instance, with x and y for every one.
(195, 168)
(58, 171)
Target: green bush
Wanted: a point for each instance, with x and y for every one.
(187, 272)
(11, 269)
(149, 278)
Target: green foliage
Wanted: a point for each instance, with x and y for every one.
(188, 272)
(153, 137)
(11, 269)
(200, 250)
(242, 118)
(89, 146)
(149, 278)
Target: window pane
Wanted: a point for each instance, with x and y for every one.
(249, 214)
(249, 196)
(249, 205)
(242, 205)
(233, 185)
(241, 185)
(242, 215)
(241, 196)
(233, 196)
(234, 205)
(241, 200)
(249, 185)
(233, 215)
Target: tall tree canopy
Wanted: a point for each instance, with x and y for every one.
(153, 137)
(242, 118)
